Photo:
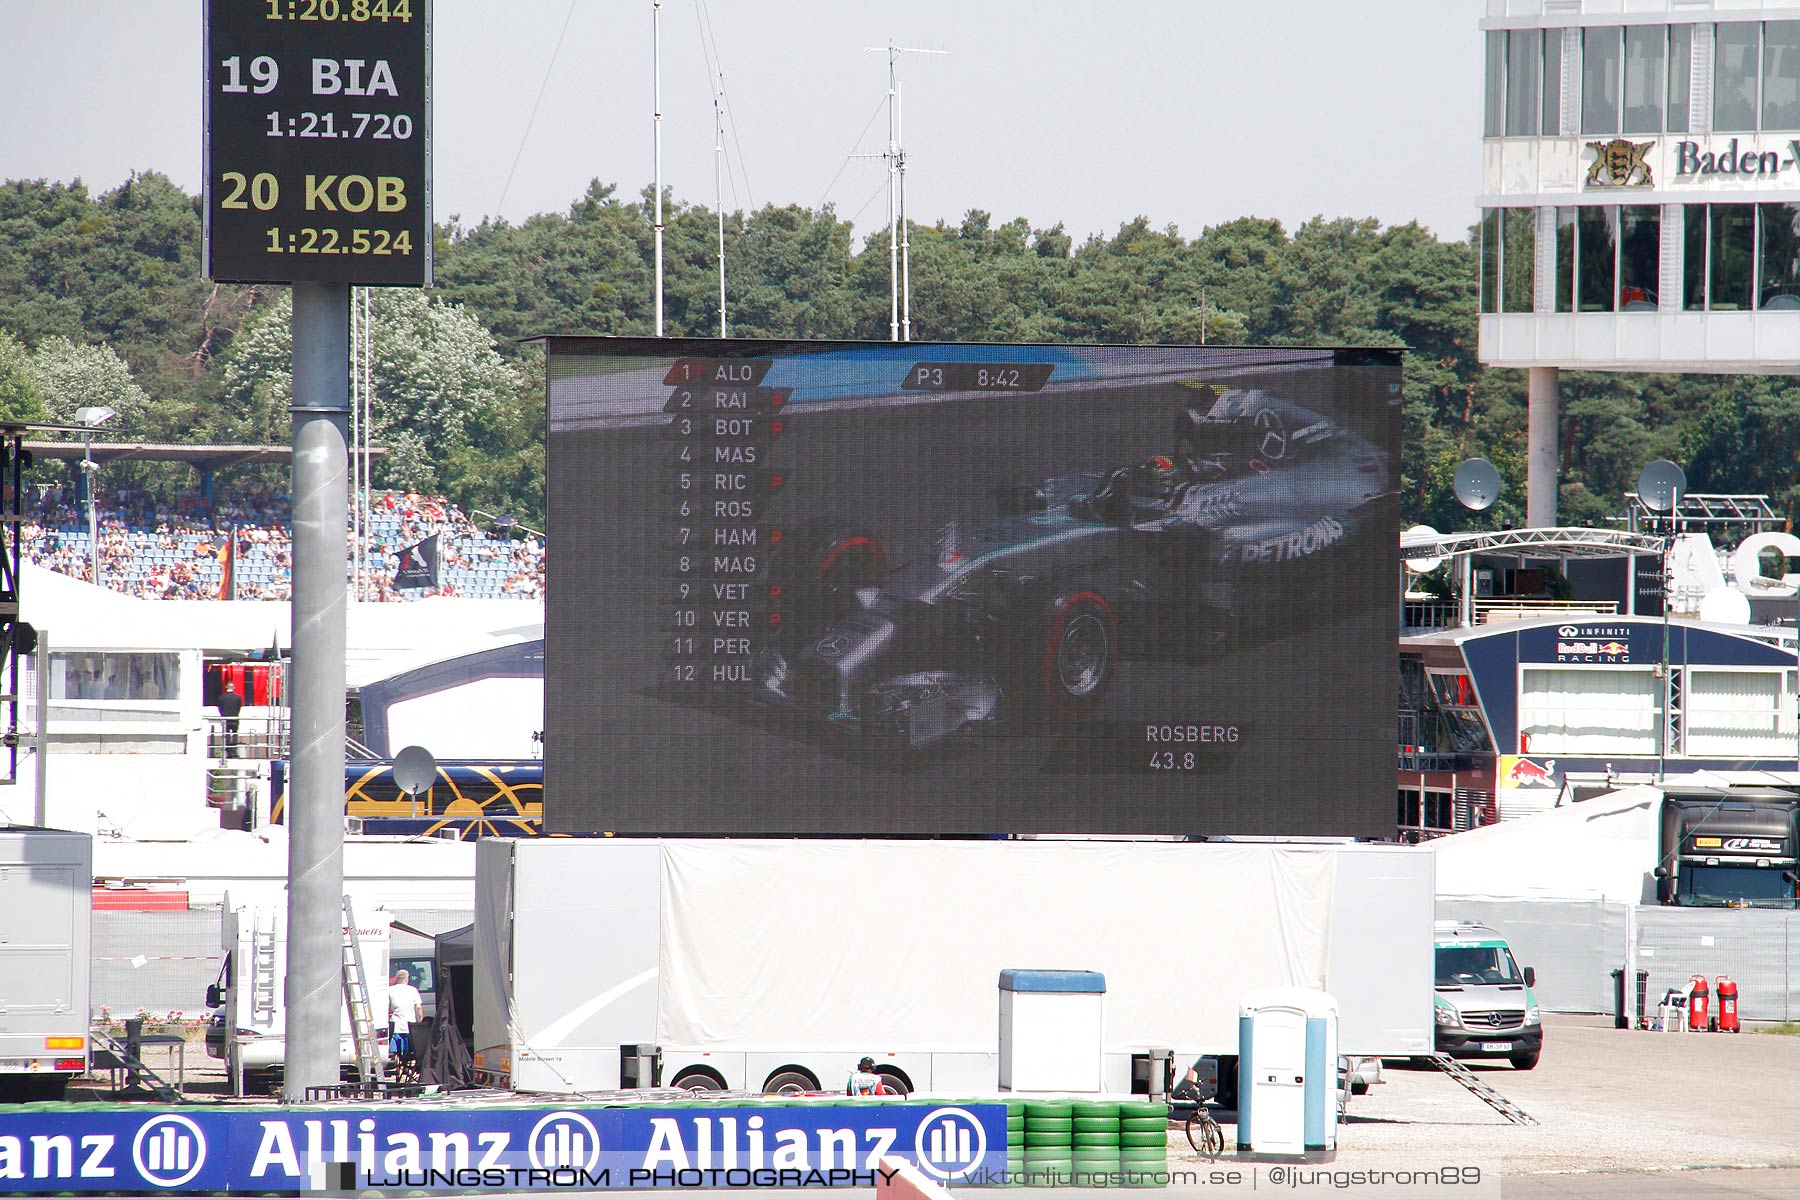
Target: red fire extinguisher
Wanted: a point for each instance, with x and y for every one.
(1697, 1004)
(1728, 1010)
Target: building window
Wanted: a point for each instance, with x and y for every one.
(1565, 259)
(1493, 114)
(114, 676)
(1738, 714)
(1600, 80)
(1731, 284)
(1781, 75)
(1644, 79)
(1778, 256)
(1424, 813)
(1608, 258)
(1734, 76)
(1681, 74)
(1588, 711)
(1595, 258)
(1640, 257)
(1518, 254)
(1490, 260)
(1634, 80)
(1693, 266)
(1524, 104)
(1741, 256)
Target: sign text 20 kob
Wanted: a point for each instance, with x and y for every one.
(318, 141)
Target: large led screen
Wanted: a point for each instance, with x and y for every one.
(929, 589)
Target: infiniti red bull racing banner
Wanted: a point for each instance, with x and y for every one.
(855, 588)
(424, 1147)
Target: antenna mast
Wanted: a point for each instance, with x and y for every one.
(656, 85)
(899, 227)
(719, 198)
(893, 163)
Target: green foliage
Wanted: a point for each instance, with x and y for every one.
(66, 376)
(19, 398)
(102, 296)
(439, 389)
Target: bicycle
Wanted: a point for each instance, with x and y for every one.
(1203, 1133)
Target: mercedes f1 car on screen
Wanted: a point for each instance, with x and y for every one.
(1033, 615)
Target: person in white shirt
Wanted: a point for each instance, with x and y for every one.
(863, 1081)
(405, 1006)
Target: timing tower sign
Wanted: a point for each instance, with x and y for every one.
(318, 141)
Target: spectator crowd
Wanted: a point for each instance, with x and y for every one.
(176, 547)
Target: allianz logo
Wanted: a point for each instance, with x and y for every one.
(948, 1143)
(559, 1139)
(168, 1151)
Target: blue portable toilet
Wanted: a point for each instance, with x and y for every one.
(1287, 1075)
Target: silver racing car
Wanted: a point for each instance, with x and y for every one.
(1032, 615)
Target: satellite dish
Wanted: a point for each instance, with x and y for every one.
(1725, 606)
(414, 769)
(1477, 484)
(1421, 566)
(1660, 485)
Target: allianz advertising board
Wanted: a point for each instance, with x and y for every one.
(927, 589)
(413, 1148)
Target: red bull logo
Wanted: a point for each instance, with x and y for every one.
(1594, 651)
(1525, 773)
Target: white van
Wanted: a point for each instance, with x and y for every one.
(1484, 1005)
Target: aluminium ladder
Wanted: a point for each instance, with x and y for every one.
(1482, 1091)
(262, 971)
(356, 1001)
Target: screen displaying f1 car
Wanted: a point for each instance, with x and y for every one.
(955, 589)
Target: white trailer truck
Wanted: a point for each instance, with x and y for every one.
(249, 1028)
(773, 965)
(46, 915)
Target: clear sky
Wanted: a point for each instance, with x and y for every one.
(1188, 112)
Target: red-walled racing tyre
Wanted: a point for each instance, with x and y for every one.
(1078, 653)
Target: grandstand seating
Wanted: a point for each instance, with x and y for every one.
(161, 548)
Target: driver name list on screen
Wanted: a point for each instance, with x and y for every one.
(970, 589)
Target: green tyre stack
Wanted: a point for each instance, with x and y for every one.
(1144, 1143)
(1049, 1142)
(1094, 1141)
(1015, 1143)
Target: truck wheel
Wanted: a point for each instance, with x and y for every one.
(789, 1083)
(1524, 1062)
(698, 1081)
(894, 1085)
(1078, 647)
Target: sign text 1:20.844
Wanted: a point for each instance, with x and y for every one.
(340, 10)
